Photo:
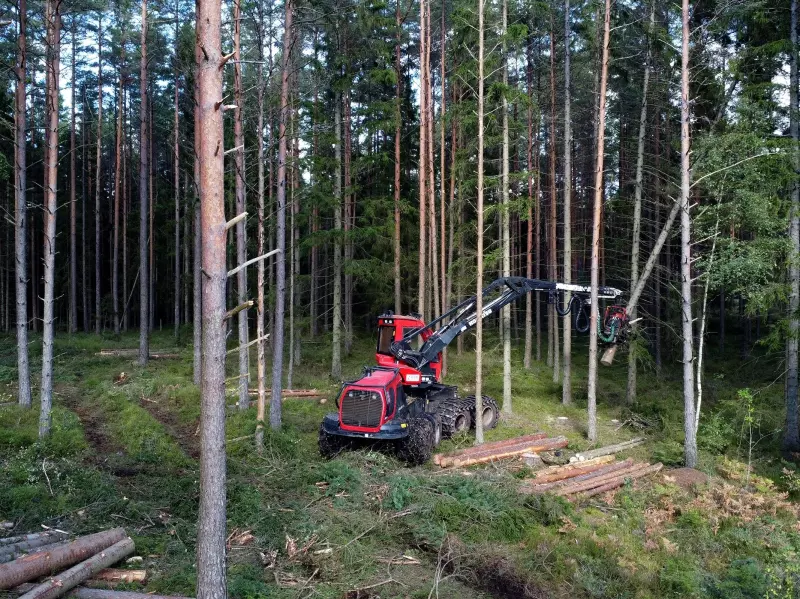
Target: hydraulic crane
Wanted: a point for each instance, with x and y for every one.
(403, 401)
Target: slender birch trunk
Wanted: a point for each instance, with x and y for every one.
(690, 441)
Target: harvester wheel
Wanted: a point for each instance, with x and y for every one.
(491, 413)
(331, 445)
(455, 417)
(437, 428)
(417, 447)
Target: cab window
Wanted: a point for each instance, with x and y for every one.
(385, 339)
(416, 342)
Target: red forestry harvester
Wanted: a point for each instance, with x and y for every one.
(403, 400)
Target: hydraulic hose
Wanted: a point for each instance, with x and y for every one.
(582, 320)
(613, 332)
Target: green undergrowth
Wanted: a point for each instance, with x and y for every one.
(123, 453)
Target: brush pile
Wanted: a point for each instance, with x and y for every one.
(48, 565)
(498, 450)
(590, 477)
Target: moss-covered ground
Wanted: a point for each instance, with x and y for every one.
(124, 452)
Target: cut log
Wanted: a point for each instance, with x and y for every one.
(601, 451)
(84, 593)
(578, 474)
(120, 575)
(606, 459)
(504, 452)
(598, 481)
(618, 482)
(294, 392)
(7, 556)
(134, 353)
(50, 536)
(69, 579)
(488, 446)
(43, 563)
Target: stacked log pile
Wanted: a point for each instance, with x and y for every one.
(47, 565)
(591, 477)
(498, 450)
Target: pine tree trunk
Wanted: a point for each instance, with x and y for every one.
(552, 341)
(444, 279)
(315, 278)
(398, 297)
(637, 207)
(349, 209)
(73, 208)
(209, 145)
(98, 323)
(53, 16)
(506, 224)
(261, 368)
(479, 250)
(423, 154)
(20, 224)
(118, 170)
(177, 178)
(566, 390)
(151, 216)
(126, 200)
(84, 286)
(197, 266)
(596, 228)
(336, 357)
(690, 442)
(241, 206)
(791, 433)
(144, 270)
(280, 274)
(529, 298)
(187, 220)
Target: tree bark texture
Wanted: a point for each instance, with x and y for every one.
(53, 16)
(566, 390)
(596, 226)
(144, 161)
(21, 217)
(280, 230)
(209, 144)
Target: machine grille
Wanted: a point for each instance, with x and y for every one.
(362, 408)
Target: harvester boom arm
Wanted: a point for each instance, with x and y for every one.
(497, 294)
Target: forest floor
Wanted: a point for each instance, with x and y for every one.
(124, 452)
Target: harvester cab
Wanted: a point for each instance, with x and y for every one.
(403, 401)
